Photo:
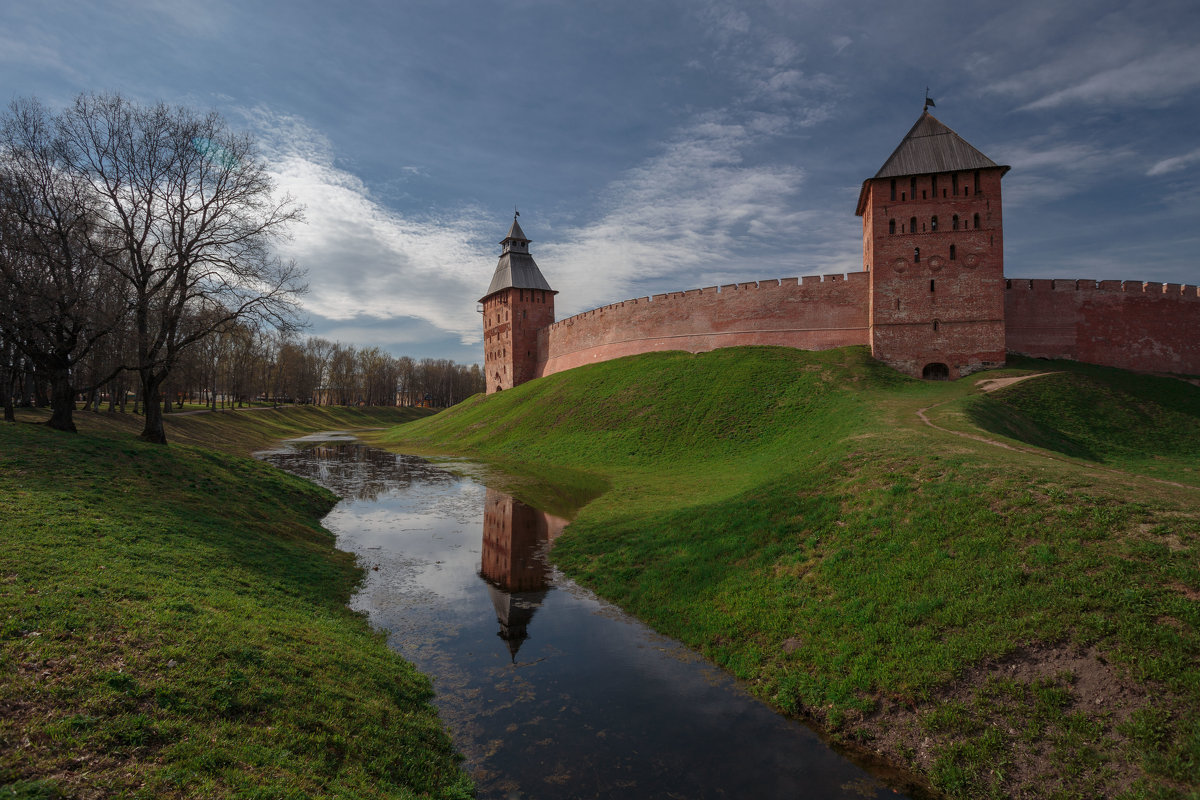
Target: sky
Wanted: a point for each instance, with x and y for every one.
(650, 145)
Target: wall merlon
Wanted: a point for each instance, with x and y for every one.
(1041, 284)
(1111, 286)
(833, 277)
(789, 281)
(809, 280)
(858, 277)
(658, 298)
(729, 287)
(1061, 285)
(1172, 288)
(751, 285)
(1152, 288)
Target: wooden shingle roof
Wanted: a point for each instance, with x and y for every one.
(516, 268)
(930, 146)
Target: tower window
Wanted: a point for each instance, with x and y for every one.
(933, 184)
(916, 255)
(933, 223)
(903, 196)
(912, 224)
(897, 305)
(935, 324)
(976, 220)
(891, 226)
(976, 181)
(923, 194)
(893, 188)
(931, 285)
(912, 187)
(954, 184)
(953, 252)
(954, 222)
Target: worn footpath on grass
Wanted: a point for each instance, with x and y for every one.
(173, 623)
(1006, 622)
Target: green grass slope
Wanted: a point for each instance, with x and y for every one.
(173, 623)
(1141, 423)
(1001, 622)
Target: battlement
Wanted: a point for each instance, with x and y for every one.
(1181, 290)
(682, 298)
(814, 312)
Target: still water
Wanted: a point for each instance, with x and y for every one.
(548, 691)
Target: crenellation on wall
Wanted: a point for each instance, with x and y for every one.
(1143, 326)
(786, 282)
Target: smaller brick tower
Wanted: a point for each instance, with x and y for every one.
(933, 243)
(518, 303)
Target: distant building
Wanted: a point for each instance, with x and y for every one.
(932, 300)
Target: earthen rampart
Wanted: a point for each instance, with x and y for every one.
(811, 313)
(1147, 327)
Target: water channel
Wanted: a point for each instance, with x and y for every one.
(548, 691)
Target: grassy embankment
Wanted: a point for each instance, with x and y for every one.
(1003, 622)
(173, 623)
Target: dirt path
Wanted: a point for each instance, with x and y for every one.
(999, 383)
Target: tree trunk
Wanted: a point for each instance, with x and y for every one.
(152, 431)
(62, 401)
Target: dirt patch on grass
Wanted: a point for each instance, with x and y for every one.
(1045, 716)
(991, 385)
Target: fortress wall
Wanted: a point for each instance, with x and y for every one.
(811, 313)
(1149, 327)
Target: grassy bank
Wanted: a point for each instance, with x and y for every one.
(1003, 622)
(173, 623)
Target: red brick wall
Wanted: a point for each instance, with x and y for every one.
(1148, 327)
(810, 313)
(946, 307)
(511, 321)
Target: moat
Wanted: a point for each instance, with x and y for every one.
(548, 691)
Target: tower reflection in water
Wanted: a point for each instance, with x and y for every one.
(516, 538)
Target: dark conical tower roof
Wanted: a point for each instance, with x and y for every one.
(516, 268)
(932, 147)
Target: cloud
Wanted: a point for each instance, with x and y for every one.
(688, 211)
(1175, 163)
(365, 260)
(1151, 78)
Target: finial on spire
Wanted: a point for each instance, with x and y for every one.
(928, 100)
(515, 212)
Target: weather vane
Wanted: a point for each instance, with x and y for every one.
(928, 100)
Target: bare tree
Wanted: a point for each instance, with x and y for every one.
(61, 299)
(191, 207)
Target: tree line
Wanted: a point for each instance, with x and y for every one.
(137, 256)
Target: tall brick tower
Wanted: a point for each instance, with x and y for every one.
(933, 243)
(518, 302)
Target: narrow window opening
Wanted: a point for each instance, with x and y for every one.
(931, 285)
(933, 223)
(922, 227)
(897, 305)
(916, 255)
(912, 188)
(935, 324)
(933, 184)
(912, 224)
(976, 220)
(891, 226)
(893, 188)
(903, 196)
(976, 181)
(953, 252)
(954, 184)
(923, 194)
(954, 222)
